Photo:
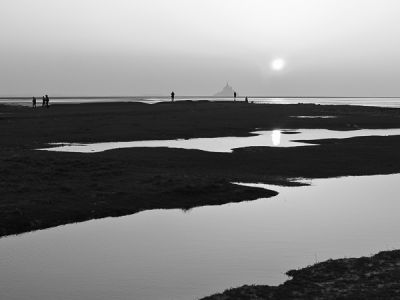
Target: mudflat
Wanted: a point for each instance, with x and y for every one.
(41, 189)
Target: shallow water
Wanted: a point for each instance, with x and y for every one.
(378, 101)
(313, 117)
(270, 138)
(171, 254)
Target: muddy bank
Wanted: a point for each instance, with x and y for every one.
(376, 277)
(45, 189)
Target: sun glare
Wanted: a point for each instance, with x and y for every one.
(278, 64)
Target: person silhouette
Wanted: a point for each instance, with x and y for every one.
(33, 102)
(47, 101)
(43, 101)
(234, 96)
(172, 97)
(246, 100)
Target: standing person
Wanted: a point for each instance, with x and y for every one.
(234, 96)
(172, 96)
(47, 101)
(246, 100)
(43, 101)
(33, 102)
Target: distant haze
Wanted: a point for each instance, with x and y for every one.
(150, 47)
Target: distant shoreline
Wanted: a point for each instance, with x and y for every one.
(211, 97)
(390, 102)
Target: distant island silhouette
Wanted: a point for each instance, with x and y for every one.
(227, 91)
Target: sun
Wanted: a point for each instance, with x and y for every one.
(278, 64)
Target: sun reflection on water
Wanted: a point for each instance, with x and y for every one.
(276, 137)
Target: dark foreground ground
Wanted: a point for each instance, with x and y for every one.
(40, 189)
(376, 277)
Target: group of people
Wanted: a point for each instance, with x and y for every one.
(45, 101)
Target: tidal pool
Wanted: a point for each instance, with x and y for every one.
(172, 254)
(270, 138)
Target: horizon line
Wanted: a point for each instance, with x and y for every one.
(197, 96)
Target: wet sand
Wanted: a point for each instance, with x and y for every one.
(44, 189)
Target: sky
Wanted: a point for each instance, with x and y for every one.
(151, 47)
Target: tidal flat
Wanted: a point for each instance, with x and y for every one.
(42, 189)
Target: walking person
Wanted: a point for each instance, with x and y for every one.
(246, 100)
(33, 102)
(47, 101)
(234, 96)
(43, 101)
(172, 97)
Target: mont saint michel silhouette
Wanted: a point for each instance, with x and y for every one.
(227, 91)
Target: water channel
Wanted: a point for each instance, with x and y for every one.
(173, 254)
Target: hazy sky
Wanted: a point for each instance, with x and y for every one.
(136, 47)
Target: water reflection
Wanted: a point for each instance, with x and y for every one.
(267, 138)
(168, 254)
(276, 137)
